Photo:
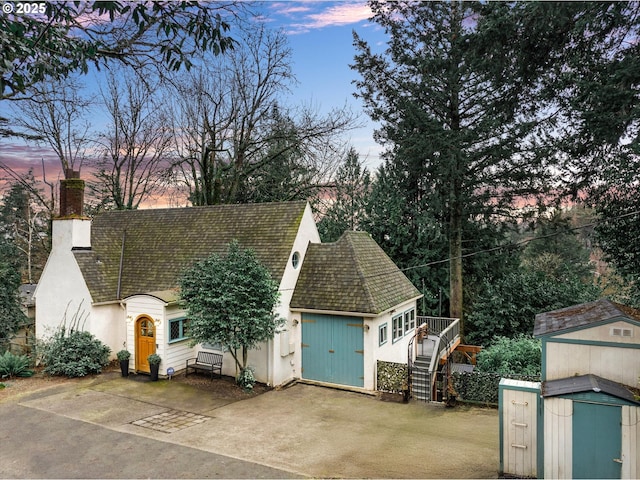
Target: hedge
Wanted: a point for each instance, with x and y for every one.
(482, 387)
(391, 376)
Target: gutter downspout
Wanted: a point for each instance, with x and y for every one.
(124, 238)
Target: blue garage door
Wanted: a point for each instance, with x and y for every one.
(332, 349)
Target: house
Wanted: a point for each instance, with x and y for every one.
(583, 419)
(118, 274)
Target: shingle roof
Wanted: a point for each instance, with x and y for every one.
(160, 243)
(581, 315)
(587, 383)
(352, 274)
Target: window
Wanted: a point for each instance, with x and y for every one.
(409, 320)
(295, 259)
(178, 329)
(382, 334)
(397, 327)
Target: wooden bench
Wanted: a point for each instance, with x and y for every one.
(206, 361)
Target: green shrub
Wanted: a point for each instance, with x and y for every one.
(246, 379)
(74, 353)
(14, 365)
(483, 387)
(521, 355)
(123, 355)
(154, 359)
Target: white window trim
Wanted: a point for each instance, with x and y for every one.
(409, 320)
(397, 320)
(384, 327)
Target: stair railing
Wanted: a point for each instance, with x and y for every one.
(412, 350)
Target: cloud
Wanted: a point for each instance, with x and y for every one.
(307, 16)
(20, 158)
(338, 15)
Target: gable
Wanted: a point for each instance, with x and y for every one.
(353, 275)
(142, 251)
(610, 331)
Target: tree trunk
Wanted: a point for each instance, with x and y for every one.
(455, 267)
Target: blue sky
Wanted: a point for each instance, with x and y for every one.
(320, 36)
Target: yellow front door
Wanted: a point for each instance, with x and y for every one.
(145, 343)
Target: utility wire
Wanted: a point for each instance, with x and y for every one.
(501, 247)
(512, 245)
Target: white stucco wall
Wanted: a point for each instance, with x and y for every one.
(390, 351)
(283, 352)
(107, 324)
(61, 292)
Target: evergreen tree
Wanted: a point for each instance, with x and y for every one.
(231, 300)
(347, 202)
(62, 38)
(458, 116)
(25, 223)
(556, 249)
(617, 204)
(11, 316)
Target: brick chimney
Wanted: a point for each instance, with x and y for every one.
(71, 195)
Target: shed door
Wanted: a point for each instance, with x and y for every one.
(597, 440)
(332, 349)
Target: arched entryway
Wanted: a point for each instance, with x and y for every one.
(145, 342)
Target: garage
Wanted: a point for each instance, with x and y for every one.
(333, 349)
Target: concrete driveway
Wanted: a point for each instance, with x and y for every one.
(112, 427)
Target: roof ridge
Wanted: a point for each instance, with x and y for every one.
(202, 207)
(363, 278)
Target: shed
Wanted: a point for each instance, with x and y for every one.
(589, 414)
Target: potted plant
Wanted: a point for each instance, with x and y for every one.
(123, 358)
(154, 363)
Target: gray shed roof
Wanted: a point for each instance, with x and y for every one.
(159, 244)
(583, 315)
(587, 383)
(353, 275)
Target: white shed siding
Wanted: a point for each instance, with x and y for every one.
(630, 442)
(605, 333)
(519, 417)
(620, 365)
(558, 437)
(390, 351)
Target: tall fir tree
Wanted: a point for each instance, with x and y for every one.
(347, 200)
(458, 115)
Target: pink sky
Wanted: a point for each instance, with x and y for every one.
(320, 37)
